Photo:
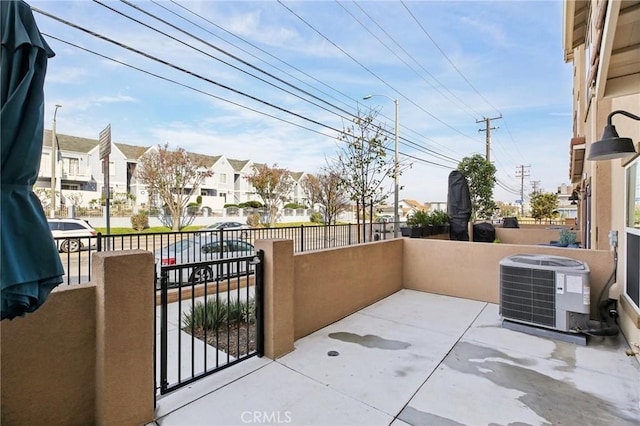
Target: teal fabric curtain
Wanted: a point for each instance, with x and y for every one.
(30, 266)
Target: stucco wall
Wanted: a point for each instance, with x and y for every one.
(48, 361)
(472, 270)
(529, 235)
(86, 356)
(331, 284)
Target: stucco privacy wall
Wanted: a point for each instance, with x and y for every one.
(48, 361)
(472, 270)
(307, 291)
(86, 356)
(331, 284)
(529, 235)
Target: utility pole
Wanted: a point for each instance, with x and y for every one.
(535, 184)
(54, 163)
(488, 129)
(522, 173)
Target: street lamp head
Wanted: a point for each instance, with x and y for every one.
(58, 106)
(367, 97)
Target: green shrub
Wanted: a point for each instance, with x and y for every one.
(199, 199)
(215, 313)
(316, 217)
(419, 218)
(294, 206)
(567, 236)
(250, 204)
(231, 205)
(439, 217)
(140, 221)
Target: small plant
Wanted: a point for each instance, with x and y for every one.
(215, 313)
(567, 237)
(316, 217)
(420, 218)
(253, 220)
(140, 221)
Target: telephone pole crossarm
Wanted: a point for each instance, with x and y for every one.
(487, 130)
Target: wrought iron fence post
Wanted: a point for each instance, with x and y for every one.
(99, 242)
(164, 282)
(302, 238)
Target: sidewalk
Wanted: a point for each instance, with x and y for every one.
(421, 359)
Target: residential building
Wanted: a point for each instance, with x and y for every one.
(601, 39)
(80, 177)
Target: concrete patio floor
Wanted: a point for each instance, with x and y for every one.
(420, 359)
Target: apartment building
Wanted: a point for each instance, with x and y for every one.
(79, 175)
(601, 39)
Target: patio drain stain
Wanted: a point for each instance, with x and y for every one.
(370, 341)
(557, 401)
(567, 353)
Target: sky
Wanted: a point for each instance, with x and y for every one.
(276, 82)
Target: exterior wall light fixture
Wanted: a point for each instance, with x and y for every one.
(611, 145)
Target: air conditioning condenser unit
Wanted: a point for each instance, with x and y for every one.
(545, 291)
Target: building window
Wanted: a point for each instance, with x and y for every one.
(632, 231)
(223, 178)
(45, 162)
(71, 165)
(112, 168)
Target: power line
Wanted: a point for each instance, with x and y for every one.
(418, 146)
(420, 65)
(447, 58)
(373, 73)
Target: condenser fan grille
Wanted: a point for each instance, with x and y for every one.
(528, 295)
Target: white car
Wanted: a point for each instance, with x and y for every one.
(228, 226)
(197, 249)
(76, 234)
(383, 224)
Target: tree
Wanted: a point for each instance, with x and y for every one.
(543, 205)
(173, 176)
(480, 175)
(362, 163)
(507, 210)
(273, 185)
(325, 189)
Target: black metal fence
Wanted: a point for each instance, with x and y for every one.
(174, 248)
(208, 322)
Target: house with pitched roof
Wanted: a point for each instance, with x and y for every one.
(79, 174)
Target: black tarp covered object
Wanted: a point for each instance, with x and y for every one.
(458, 206)
(30, 264)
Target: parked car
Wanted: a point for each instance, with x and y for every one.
(76, 233)
(383, 224)
(199, 249)
(228, 226)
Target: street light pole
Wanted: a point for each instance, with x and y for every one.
(54, 162)
(396, 187)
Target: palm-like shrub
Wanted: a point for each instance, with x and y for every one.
(216, 312)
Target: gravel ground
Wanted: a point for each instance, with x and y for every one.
(229, 339)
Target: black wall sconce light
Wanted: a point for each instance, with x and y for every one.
(611, 145)
(575, 196)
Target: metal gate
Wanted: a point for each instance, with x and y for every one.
(211, 317)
